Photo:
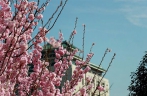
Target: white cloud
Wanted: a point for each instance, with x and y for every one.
(136, 13)
(130, 0)
(93, 10)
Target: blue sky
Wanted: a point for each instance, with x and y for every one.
(120, 25)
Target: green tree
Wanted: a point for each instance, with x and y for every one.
(138, 86)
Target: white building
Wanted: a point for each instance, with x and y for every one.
(95, 71)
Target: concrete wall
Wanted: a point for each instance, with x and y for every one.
(104, 83)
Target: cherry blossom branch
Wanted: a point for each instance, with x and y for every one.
(83, 40)
(74, 31)
(104, 73)
(48, 22)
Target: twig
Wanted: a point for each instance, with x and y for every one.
(104, 73)
(50, 20)
(58, 15)
(103, 57)
(71, 35)
(108, 89)
(91, 47)
(83, 41)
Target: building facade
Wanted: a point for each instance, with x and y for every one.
(95, 71)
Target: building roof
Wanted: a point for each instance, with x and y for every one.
(47, 46)
(97, 67)
(66, 44)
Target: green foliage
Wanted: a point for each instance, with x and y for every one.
(138, 86)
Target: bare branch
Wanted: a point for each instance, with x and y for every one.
(83, 41)
(104, 73)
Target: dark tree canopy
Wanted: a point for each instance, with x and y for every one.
(138, 86)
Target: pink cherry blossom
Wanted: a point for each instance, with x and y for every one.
(40, 16)
(74, 32)
(24, 70)
(31, 16)
(100, 88)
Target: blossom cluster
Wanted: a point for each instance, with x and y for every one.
(15, 35)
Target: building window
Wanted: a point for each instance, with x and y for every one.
(73, 62)
(51, 55)
(93, 72)
(52, 63)
(93, 81)
(83, 81)
(103, 85)
(97, 83)
(89, 93)
(100, 74)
